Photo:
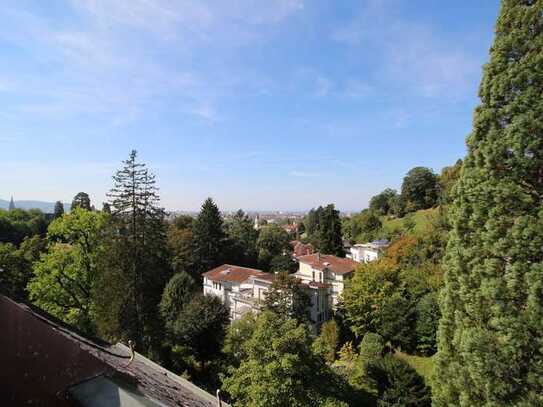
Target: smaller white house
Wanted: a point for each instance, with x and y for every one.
(364, 253)
(235, 287)
(329, 272)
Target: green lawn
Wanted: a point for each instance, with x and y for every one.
(423, 365)
(422, 220)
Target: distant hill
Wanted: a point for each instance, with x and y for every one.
(46, 207)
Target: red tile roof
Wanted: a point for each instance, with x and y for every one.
(301, 249)
(337, 265)
(230, 273)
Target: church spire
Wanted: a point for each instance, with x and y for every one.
(11, 204)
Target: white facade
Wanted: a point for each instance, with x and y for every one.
(242, 295)
(238, 297)
(364, 253)
(335, 282)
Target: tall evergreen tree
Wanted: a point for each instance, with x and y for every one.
(330, 238)
(135, 269)
(208, 237)
(490, 342)
(59, 210)
(81, 200)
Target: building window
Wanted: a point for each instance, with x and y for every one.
(313, 272)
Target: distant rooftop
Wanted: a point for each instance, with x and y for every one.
(230, 273)
(337, 265)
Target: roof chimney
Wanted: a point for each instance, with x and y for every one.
(318, 256)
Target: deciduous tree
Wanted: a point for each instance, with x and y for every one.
(272, 241)
(420, 189)
(201, 325)
(64, 278)
(382, 202)
(279, 368)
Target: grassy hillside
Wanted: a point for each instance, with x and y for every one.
(420, 220)
(423, 365)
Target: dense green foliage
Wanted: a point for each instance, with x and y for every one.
(18, 224)
(327, 342)
(395, 296)
(323, 228)
(490, 342)
(419, 189)
(272, 241)
(383, 203)
(65, 277)
(398, 384)
(371, 347)
(242, 240)
(363, 227)
(180, 245)
(16, 265)
(201, 326)
(239, 332)
(177, 293)
(279, 368)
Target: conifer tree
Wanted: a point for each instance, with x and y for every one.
(106, 208)
(209, 237)
(59, 210)
(135, 267)
(490, 335)
(81, 200)
(330, 238)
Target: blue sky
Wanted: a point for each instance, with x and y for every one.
(276, 104)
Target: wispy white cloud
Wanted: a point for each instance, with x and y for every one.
(409, 53)
(115, 56)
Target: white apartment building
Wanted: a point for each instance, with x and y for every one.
(331, 271)
(364, 253)
(242, 290)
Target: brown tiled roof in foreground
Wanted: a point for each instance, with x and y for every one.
(337, 265)
(44, 362)
(235, 274)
